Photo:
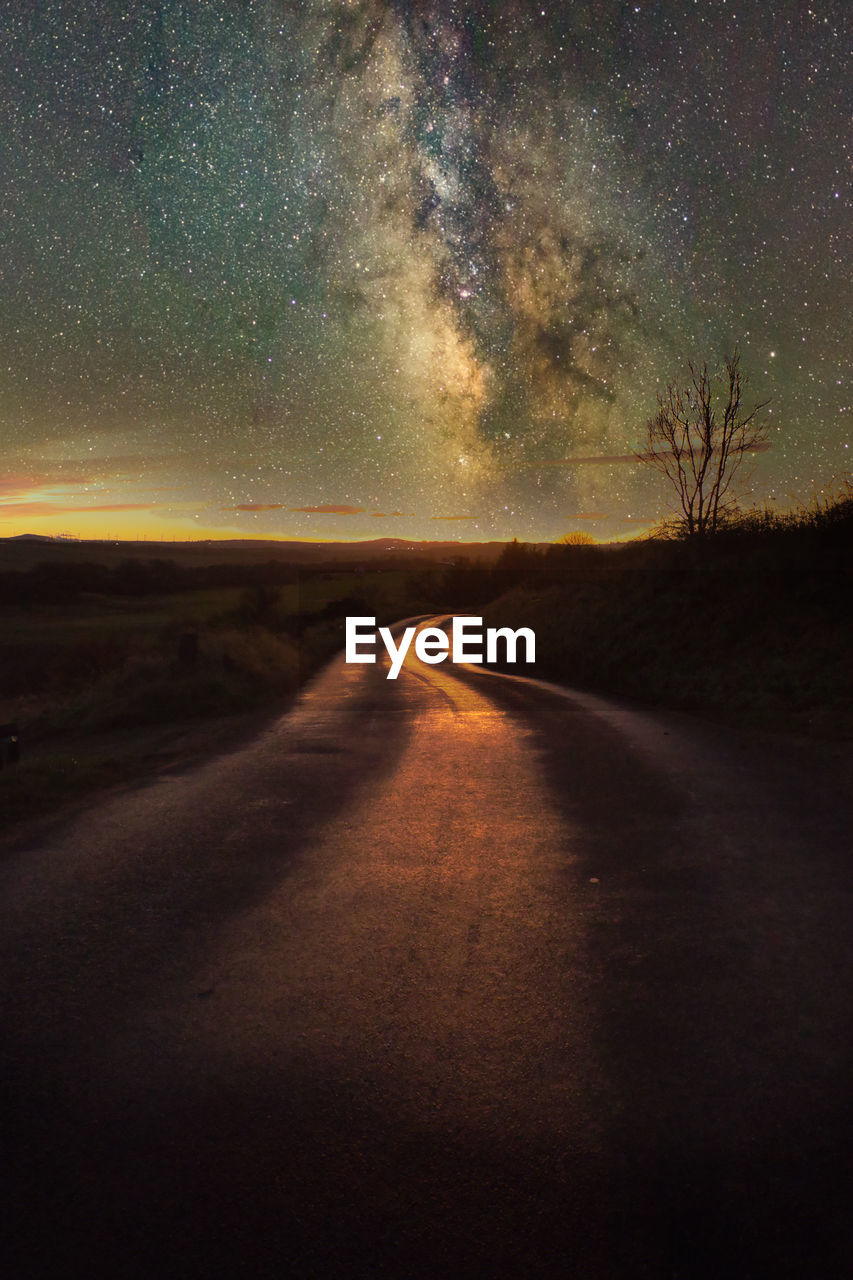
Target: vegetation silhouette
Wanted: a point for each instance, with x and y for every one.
(699, 439)
(757, 629)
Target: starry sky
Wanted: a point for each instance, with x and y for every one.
(363, 268)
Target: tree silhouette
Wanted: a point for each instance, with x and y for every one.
(699, 439)
(577, 538)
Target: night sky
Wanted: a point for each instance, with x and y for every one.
(356, 269)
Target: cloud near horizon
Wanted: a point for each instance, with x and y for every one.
(256, 506)
(23, 474)
(608, 459)
(17, 484)
(63, 509)
(454, 517)
(331, 509)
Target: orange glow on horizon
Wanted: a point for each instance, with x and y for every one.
(142, 526)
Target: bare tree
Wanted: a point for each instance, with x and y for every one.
(577, 538)
(699, 439)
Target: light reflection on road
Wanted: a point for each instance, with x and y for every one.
(432, 947)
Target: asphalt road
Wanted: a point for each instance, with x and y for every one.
(460, 975)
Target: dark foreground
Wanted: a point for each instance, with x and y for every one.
(447, 977)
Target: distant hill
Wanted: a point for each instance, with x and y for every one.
(369, 548)
(25, 550)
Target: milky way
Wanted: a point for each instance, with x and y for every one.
(410, 269)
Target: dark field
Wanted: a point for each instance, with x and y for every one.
(115, 664)
(112, 671)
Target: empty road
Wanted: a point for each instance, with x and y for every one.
(458, 975)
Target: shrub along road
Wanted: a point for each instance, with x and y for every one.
(454, 975)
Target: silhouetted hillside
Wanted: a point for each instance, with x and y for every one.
(754, 624)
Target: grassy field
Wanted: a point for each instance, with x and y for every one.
(753, 626)
(112, 670)
(104, 687)
(59, 625)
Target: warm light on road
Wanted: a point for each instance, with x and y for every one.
(456, 974)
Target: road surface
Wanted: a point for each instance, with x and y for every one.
(458, 975)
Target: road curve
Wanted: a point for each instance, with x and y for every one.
(455, 975)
